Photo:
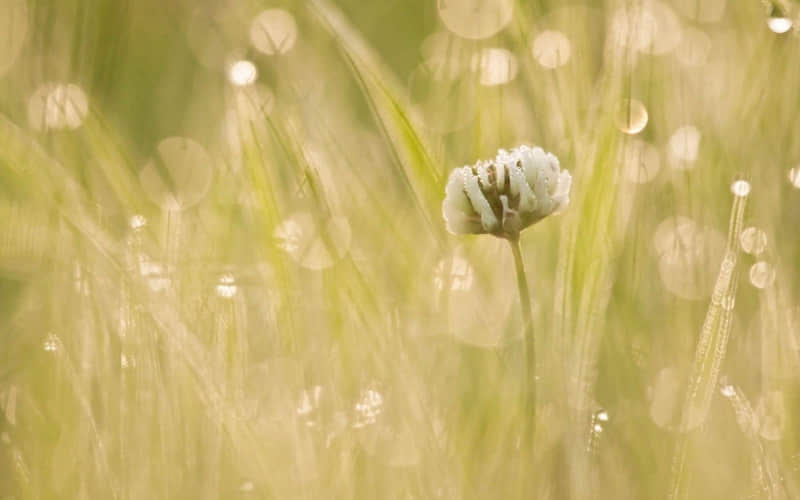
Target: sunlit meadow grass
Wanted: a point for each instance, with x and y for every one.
(224, 271)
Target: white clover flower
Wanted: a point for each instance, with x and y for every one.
(504, 196)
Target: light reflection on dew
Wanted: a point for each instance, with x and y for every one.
(51, 343)
(273, 31)
(762, 274)
(740, 188)
(475, 19)
(598, 428)
(314, 244)
(602, 416)
(684, 146)
(368, 407)
(728, 391)
(138, 221)
(551, 49)
(81, 281)
(127, 361)
(226, 287)
(154, 273)
(495, 66)
(631, 116)
(179, 176)
(309, 400)
(55, 106)
(753, 240)
(14, 29)
(728, 302)
(242, 73)
(777, 21)
(641, 161)
(794, 177)
(456, 273)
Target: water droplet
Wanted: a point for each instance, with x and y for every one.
(495, 66)
(777, 21)
(740, 188)
(138, 222)
(753, 240)
(51, 343)
(154, 273)
(728, 302)
(684, 145)
(226, 288)
(127, 361)
(728, 391)
(309, 401)
(242, 73)
(602, 416)
(794, 177)
(762, 274)
(551, 49)
(179, 176)
(475, 19)
(598, 428)
(456, 273)
(631, 116)
(55, 106)
(367, 408)
(312, 243)
(273, 31)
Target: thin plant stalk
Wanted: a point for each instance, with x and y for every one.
(528, 343)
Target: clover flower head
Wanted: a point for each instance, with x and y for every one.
(505, 195)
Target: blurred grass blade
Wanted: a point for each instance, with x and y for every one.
(711, 348)
(382, 91)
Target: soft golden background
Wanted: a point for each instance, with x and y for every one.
(224, 272)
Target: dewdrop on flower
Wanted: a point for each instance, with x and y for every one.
(505, 195)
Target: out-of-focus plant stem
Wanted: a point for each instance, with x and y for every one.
(528, 343)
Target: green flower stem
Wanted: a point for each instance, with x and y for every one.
(528, 343)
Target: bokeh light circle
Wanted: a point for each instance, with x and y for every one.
(551, 49)
(273, 31)
(179, 175)
(55, 106)
(475, 19)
